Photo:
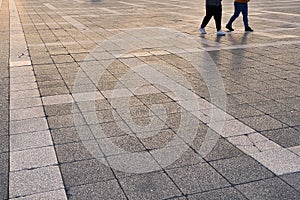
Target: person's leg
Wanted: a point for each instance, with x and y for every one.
(245, 15)
(245, 18)
(218, 17)
(237, 10)
(209, 14)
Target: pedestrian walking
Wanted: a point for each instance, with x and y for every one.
(213, 8)
(240, 6)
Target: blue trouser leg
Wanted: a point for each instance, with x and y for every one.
(238, 8)
(245, 15)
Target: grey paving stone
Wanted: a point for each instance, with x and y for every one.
(39, 180)
(56, 194)
(51, 91)
(241, 169)
(290, 118)
(197, 178)
(32, 158)
(72, 152)
(263, 123)
(250, 97)
(30, 140)
(4, 144)
(189, 157)
(85, 172)
(4, 158)
(71, 134)
(28, 125)
(4, 185)
(101, 190)
(273, 188)
(225, 193)
(125, 144)
(62, 121)
(223, 149)
(155, 185)
(25, 103)
(292, 179)
(27, 113)
(270, 106)
(286, 137)
(242, 110)
(59, 109)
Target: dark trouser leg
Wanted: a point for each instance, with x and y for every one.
(209, 14)
(237, 10)
(245, 15)
(218, 17)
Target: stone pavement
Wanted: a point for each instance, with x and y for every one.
(125, 99)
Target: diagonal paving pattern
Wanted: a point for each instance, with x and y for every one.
(51, 155)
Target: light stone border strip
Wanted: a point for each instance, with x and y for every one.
(51, 7)
(34, 171)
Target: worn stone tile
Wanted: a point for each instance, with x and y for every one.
(263, 123)
(253, 143)
(289, 118)
(32, 158)
(109, 190)
(223, 149)
(60, 109)
(52, 91)
(24, 141)
(187, 158)
(292, 179)
(24, 94)
(27, 182)
(28, 125)
(72, 152)
(85, 172)
(156, 185)
(56, 194)
(25, 103)
(4, 185)
(230, 128)
(286, 137)
(4, 144)
(279, 161)
(273, 188)
(197, 178)
(225, 193)
(71, 134)
(241, 169)
(22, 86)
(27, 113)
(57, 99)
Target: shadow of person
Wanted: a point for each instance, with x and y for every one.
(238, 61)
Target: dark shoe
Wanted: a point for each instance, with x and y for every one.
(249, 29)
(229, 28)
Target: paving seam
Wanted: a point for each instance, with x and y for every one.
(29, 176)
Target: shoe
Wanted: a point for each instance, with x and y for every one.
(229, 27)
(202, 30)
(220, 33)
(249, 29)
